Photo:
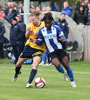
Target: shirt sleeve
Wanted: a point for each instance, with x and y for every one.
(60, 33)
(40, 38)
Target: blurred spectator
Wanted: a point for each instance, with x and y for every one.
(38, 9)
(62, 23)
(9, 4)
(32, 9)
(80, 16)
(78, 4)
(86, 2)
(17, 36)
(2, 31)
(12, 14)
(53, 7)
(6, 9)
(44, 9)
(1, 13)
(13, 4)
(22, 28)
(67, 9)
(48, 8)
(21, 9)
(85, 7)
(88, 23)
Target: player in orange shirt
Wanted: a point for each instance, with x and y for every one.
(31, 50)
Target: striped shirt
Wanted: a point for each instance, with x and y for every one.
(51, 38)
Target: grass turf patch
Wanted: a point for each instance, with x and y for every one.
(56, 88)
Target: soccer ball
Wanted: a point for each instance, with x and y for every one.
(39, 82)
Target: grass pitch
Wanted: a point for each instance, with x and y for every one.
(56, 88)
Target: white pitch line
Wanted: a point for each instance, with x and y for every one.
(26, 68)
(81, 72)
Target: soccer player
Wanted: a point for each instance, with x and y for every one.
(51, 35)
(31, 50)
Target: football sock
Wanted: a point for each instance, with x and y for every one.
(44, 57)
(60, 69)
(70, 74)
(32, 75)
(17, 70)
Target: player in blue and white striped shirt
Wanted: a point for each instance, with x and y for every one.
(51, 35)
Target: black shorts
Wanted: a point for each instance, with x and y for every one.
(30, 52)
(60, 53)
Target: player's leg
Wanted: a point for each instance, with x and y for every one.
(56, 62)
(19, 64)
(18, 67)
(65, 63)
(59, 68)
(26, 53)
(36, 61)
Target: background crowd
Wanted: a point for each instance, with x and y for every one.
(13, 13)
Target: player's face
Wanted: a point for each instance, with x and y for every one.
(48, 23)
(35, 20)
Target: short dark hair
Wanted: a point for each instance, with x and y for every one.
(14, 19)
(48, 16)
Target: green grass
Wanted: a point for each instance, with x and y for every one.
(56, 88)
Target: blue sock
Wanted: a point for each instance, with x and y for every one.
(32, 75)
(60, 69)
(44, 57)
(70, 74)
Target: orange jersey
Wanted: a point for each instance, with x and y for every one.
(34, 34)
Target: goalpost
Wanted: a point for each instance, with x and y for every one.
(26, 10)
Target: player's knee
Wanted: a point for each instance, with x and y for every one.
(56, 64)
(19, 62)
(66, 66)
(35, 66)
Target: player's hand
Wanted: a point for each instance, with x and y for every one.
(33, 40)
(61, 39)
(28, 29)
